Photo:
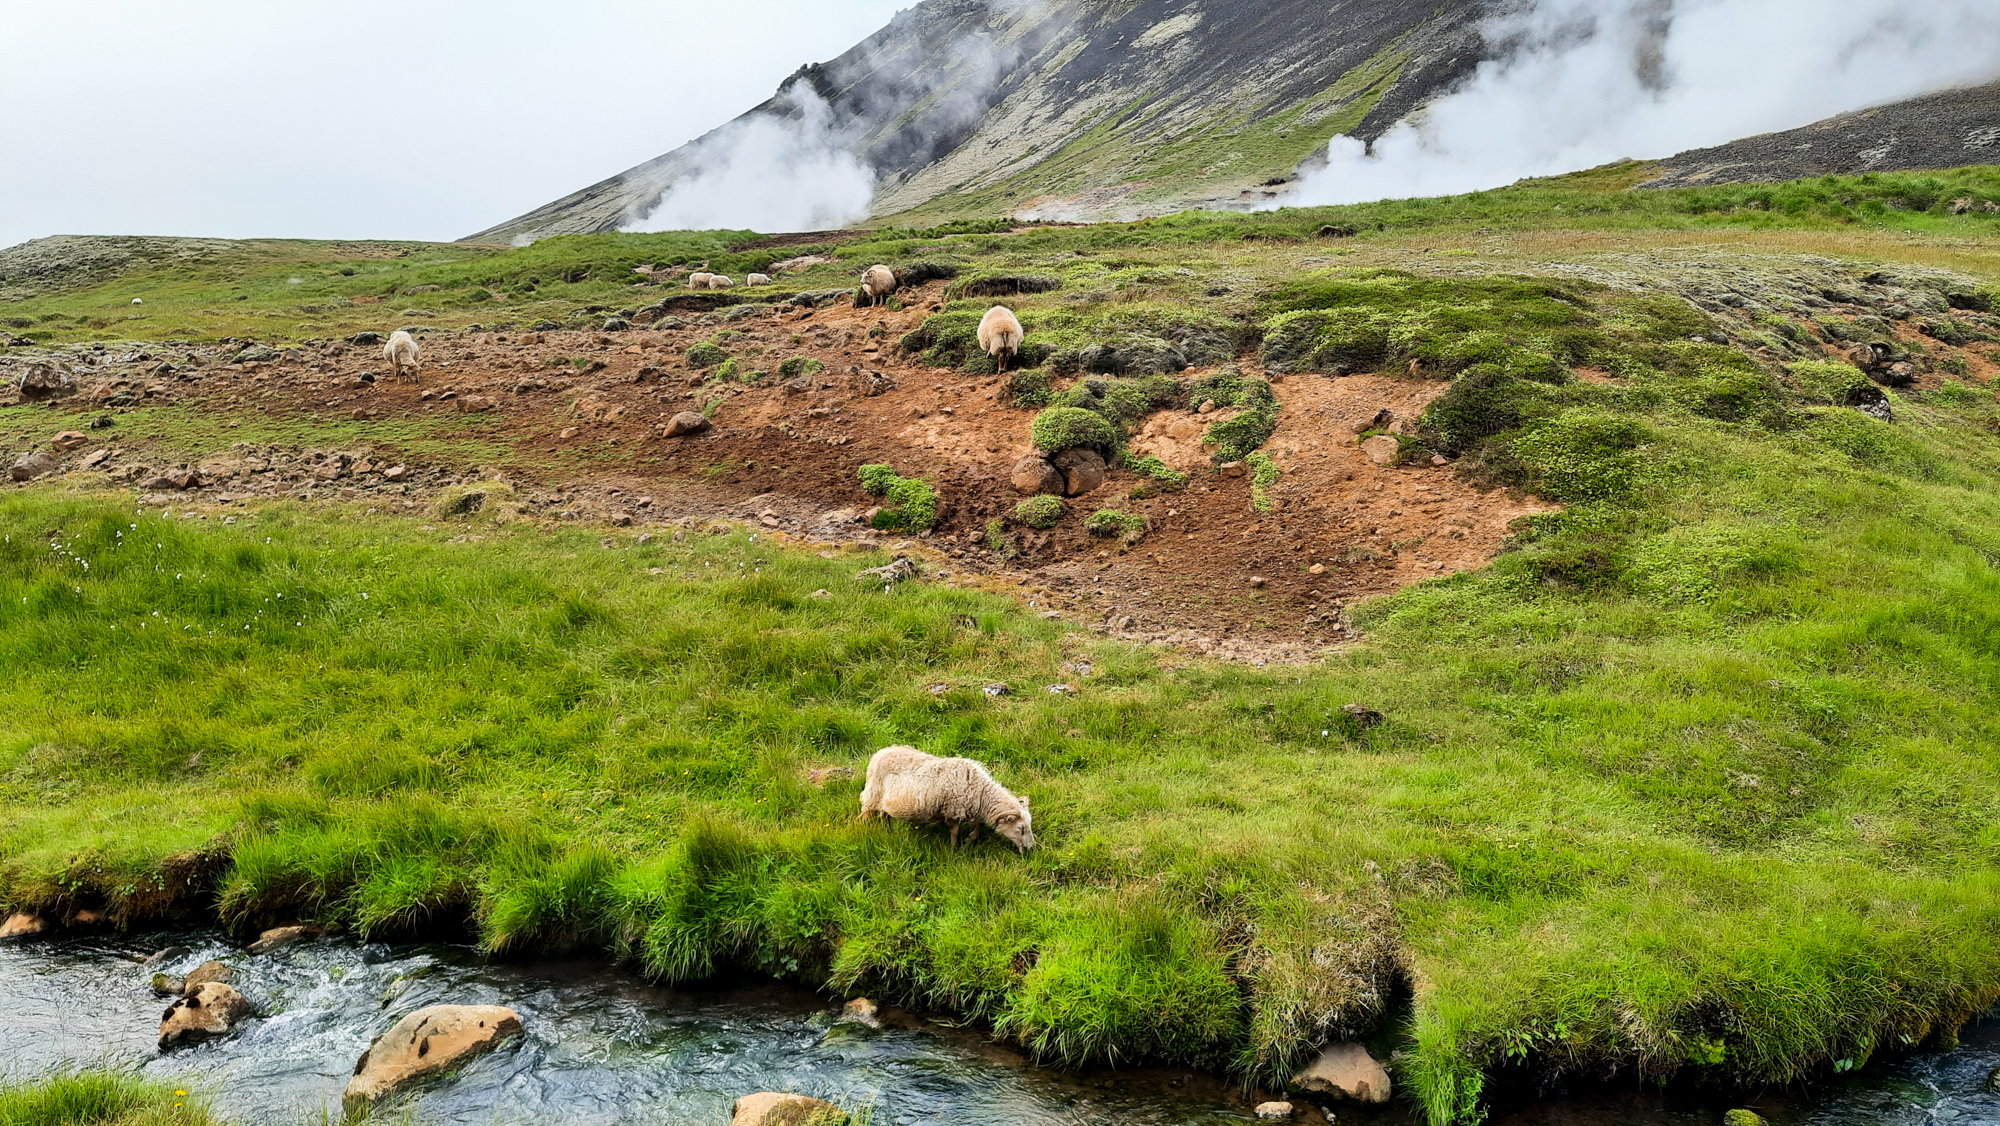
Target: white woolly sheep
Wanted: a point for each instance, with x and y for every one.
(699, 279)
(1000, 334)
(402, 351)
(877, 283)
(906, 784)
(717, 281)
(757, 279)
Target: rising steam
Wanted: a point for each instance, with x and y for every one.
(769, 173)
(1579, 83)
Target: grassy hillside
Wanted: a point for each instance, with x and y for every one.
(1696, 781)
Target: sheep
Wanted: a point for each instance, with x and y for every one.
(717, 281)
(1000, 334)
(699, 279)
(402, 351)
(905, 784)
(876, 285)
(757, 279)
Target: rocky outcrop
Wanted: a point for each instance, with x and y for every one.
(204, 1011)
(427, 1042)
(44, 382)
(33, 464)
(1345, 1071)
(1083, 470)
(770, 1108)
(1034, 476)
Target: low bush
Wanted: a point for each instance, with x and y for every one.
(909, 504)
(1109, 522)
(706, 355)
(1041, 512)
(1062, 428)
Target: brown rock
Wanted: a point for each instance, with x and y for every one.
(1377, 421)
(531, 338)
(281, 936)
(426, 1042)
(210, 971)
(69, 440)
(32, 465)
(395, 473)
(473, 404)
(773, 1109)
(1033, 476)
(1345, 1071)
(1381, 449)
(207, 1010)
(43, 382)
(861, 1011)
(1233, 469)
(95, 458)
(1258, 582)
(1082, 470)
(1316, 569)
(1274, 1111)
(22, 925)
(685, 423)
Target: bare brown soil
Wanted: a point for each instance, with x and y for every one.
(582, 412)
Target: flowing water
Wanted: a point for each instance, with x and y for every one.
(602, 1046)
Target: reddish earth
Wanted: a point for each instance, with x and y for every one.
(1212, 573)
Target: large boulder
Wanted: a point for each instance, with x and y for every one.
(1381, 449)
(207, 1010)
(685, 423)
(32, 464)
(280, 936)
(427, 1042)
(770, 1108)
(1345, 1071)
(1083, 470)
(207, 972)
(22, 925)
(44, 382)
(1034, 476)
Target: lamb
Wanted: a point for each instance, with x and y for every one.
(717, 281)
(1000, 334)
(757, 279)
(699, 279)
(402, 351)
(905, 784)
(877, 283)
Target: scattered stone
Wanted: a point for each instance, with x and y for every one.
(1993, 1081)
(207, 1010)
(1346, 1070)
(621, 519)
(22, 925)
(1381, 449)
(426, 1042)
(161, 957)
(209, 971)
(821, 593)
(861, 1010)
(773, 1109)
(177, 481)
(1366, 717)
(69, 440)
(685, 423)
(1082, 469)
(473, 404)
(900, 569)
(365, 338)
(1207, 407)
(645, 538)
(1233, 468)
(31, 465)
(1380, 420)
(1316, 569)
(1034, 476)
(167, 985)
(1061, 690)
(281, 936)
(103, 422)
(1258, 582)
(1274, 1111)
(396, 473)
(995, 691)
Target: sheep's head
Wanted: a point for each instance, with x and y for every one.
(1017, 826)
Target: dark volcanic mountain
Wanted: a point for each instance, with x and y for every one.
(1085, 108)
(1948, 130)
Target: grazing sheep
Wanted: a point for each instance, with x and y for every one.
(757, 279)
(699, 279)
(906, 784)
(1000, 334)
(402, 351)
(717, 281)
(876, 285)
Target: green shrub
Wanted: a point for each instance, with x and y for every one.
(728, 369)
(1062, 428)
(1042, 512)
(706, 355)
(1482, 402)
(1029, 389)
(1165, 478)
(1108, 522)
(1234, 439)
(797, 366)
(908, 503)
(1828, 383)
(1263, 474)
(1583, 456)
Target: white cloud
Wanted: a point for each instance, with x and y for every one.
(422, 119)
(1592, 81)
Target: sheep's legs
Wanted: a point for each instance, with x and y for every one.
(954, 834)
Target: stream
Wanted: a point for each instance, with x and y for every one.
(603, 1046)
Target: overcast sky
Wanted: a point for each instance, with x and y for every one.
(412, 119)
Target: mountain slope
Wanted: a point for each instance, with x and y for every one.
(1083, 108)
(1947, 130)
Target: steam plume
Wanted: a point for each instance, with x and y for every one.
(769, 173)
(1580, 83)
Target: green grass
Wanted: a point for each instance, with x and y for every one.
(99, 1098)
